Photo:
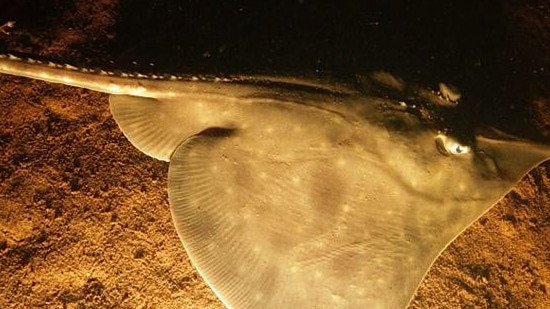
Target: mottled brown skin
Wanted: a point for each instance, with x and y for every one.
(84, 216)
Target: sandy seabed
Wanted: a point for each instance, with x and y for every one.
(85, 222)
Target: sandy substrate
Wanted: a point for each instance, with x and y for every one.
(84, 216)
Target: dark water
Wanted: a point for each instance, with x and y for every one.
(335, 36)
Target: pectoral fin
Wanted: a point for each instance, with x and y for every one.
(252, 221)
